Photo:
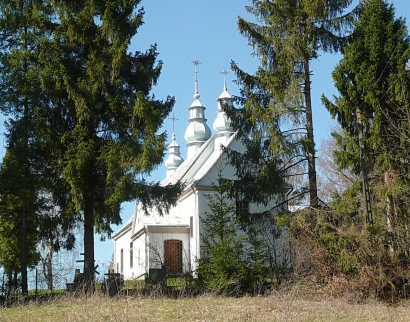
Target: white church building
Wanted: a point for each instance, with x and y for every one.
(170, 244)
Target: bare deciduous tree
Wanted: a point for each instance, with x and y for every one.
(331, 178)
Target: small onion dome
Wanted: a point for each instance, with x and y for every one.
(174, 159)
(197, 132)
(222, 123)
(197, 129)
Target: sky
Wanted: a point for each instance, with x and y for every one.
(207, 30)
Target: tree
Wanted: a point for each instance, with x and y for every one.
(276, 108)
(372, 108)
(239, 252)
(24, 169)
(222, 265)
(110, 140)
(371, 79)
(332, 180)
(18, 220)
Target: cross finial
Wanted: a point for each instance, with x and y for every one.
(224, 72)
(173, 118)
(196, 62)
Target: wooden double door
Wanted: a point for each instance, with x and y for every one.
(173, 257)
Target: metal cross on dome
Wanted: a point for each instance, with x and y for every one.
(196, 62)
(173, 118)
(224, 72)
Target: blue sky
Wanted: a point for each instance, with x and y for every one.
(185, 29)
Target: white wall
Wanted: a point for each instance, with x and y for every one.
(139, 262)
(122, 243)
(156, 247)
(278, 246)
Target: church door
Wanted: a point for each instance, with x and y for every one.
(173, 257)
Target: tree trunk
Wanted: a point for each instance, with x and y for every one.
(89, 243)
(366, 189)
(24, 283)
(26, 118)
(389, 213)
(311, 141)
(15, 282)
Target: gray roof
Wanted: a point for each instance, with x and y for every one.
(198, 166)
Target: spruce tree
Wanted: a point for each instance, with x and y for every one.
(110, 141)
(222, 266)
(19, 222)
(276, 108)
(22, 101)
(371, 79)
(236, 255)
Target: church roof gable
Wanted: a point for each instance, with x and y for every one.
(196, 168)
(186, 171)
(212, 160)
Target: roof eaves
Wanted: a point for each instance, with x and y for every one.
(122, 231)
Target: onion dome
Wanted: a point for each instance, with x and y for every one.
(198, 131)
(174, 159)
(222, 124)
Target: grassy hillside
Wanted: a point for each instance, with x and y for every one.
(276, 307)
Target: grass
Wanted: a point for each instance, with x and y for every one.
(175, 282)
(137, 284)
(44, 292)
(291, 306)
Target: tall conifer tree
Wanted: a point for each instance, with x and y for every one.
(371, 79)
(111, 141)
(276, 111)
(21, 100)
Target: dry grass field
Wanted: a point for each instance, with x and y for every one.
(276, 307)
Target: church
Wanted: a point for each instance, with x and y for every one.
(170, 245)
